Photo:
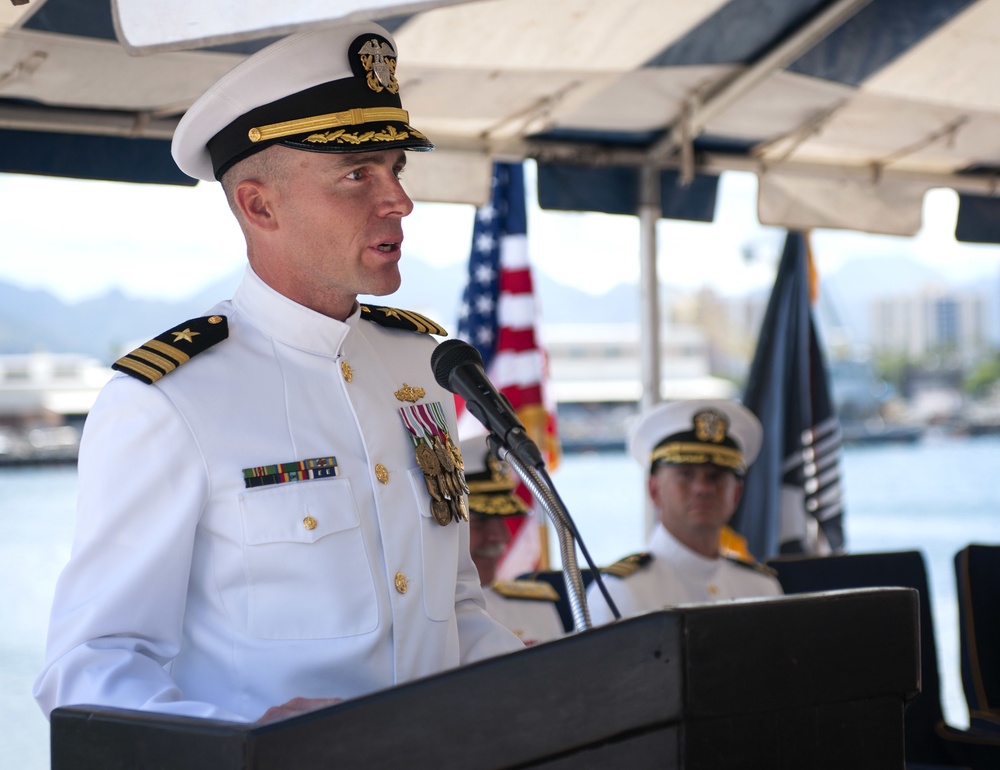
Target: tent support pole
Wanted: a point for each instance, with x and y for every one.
(649, 300)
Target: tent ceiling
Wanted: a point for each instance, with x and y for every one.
(845, 108)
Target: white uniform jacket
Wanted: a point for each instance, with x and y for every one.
(188, 592)
(532, 620)
(677, 575)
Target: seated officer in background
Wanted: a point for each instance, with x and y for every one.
(697, 453)
(526, 607)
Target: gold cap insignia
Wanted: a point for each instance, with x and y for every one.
(710, 425)
(379, 61)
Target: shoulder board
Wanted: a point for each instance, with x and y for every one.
(754, 565)
(526, 589)
(395, 318)
(161, 355)
(629, 565)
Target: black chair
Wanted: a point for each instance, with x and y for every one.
(930, 742)
(977, 580)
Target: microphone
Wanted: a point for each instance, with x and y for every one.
(458, 367)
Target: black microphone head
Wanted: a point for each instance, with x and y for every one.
(449, 355)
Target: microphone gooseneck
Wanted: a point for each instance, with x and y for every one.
(458, 367)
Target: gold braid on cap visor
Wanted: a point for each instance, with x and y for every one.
(694, 453)
(353, 117)
(503, 505)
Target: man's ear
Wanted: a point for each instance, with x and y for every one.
(738, 491)
(651, 489)
(254, 203)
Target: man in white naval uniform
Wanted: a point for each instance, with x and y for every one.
(526, 607)
(255, 537)
(696, 453)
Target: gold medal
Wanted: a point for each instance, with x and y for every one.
(463, 486)
(441, 512)
(463, 511)
(448, 485)
(427, 459)
(456, 455)
(453, 485)
(433, 487)
(444, 456)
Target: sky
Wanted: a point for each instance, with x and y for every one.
(77, 239)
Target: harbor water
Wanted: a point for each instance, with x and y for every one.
(936, 495)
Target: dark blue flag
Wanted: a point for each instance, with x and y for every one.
(792, 500)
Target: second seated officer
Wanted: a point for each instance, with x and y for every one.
(696, 453)
(526, 607)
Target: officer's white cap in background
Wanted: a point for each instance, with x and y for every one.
(490, 480)
(716, 431)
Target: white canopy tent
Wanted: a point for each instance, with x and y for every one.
(847, 110)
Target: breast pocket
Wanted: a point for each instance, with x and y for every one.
(308, 574)
(439, 547)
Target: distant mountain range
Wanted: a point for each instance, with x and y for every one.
(106, 326)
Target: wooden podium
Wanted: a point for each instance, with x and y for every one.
(807, 681)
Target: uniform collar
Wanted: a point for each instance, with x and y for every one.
(288, 321)
(663, 545)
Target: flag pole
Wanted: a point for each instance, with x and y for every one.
(649, 301)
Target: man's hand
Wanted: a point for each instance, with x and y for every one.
(296, 706)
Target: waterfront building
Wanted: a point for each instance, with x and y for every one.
(44, 399)
(933, 321)
(595, 377)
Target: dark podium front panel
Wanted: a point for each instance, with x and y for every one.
(806, 681)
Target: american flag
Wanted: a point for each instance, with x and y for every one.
(498, 317)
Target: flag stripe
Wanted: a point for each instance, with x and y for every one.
(517, 369)
(521, 397)
(517, 311)
(517, 340)
(513, 251)
(516, 281)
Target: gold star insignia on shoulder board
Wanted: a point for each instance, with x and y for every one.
(161, 355)
(395, 318)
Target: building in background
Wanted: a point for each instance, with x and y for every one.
(44, 400)
(596, 380)
(938, 333)
(934, 321)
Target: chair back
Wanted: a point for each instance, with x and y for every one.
(977, 580)
(924, 716)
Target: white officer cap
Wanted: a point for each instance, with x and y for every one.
(326, 90)
(491, 482)
(715, 431)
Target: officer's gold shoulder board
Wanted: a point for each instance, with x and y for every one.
(161, 355)
(395, 318)
(629, 565)
(538, 590)
(754, 565)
